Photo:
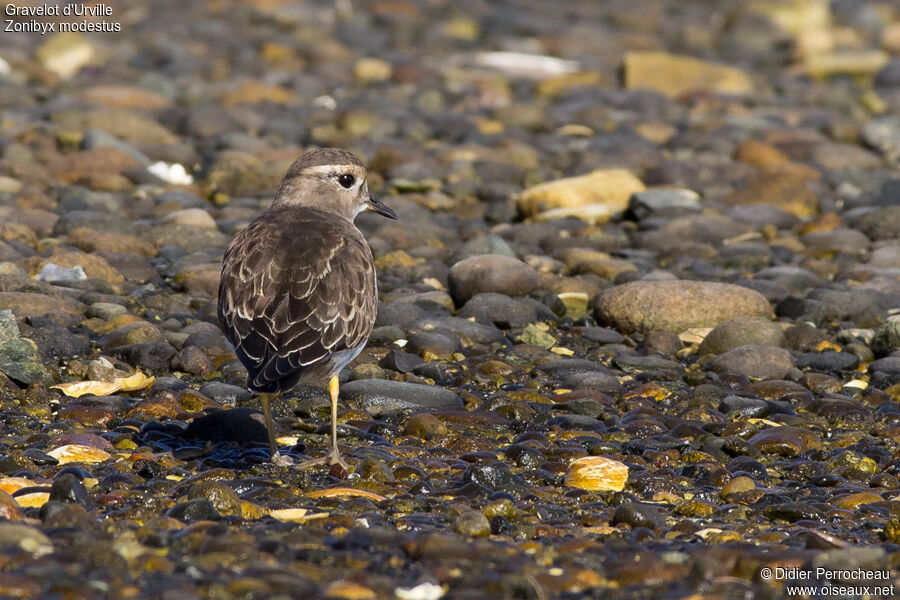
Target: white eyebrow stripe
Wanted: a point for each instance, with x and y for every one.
(331, 169)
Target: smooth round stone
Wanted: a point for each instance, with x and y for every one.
(466, 331)
(224, 393)
(888, 364)
(441, 343)
(397, 360)
(224, 499)
(756, 362)
(882, 223)
(380, 396)
(836, 240)
(883, 133)
(785, 441)
(506, 313)
(761, 215)
(665, 200)
(829, 361)
(198, 509)
(602, 335)
(106, 310)
(148, 355)
(400, 314)
(742, 331)
(795, 279)
(737, 485)
(491, 273)
(136, 332)
(424, 425)
(482, 245)
(887, 338)
(676, 305)
(637, 514)
(804, 337)
(744, 407)
(472, 523)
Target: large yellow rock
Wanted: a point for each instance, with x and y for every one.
(673, 75)
(592, 197)
(65, 54)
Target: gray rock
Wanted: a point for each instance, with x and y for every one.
(887, 338)
(483, 244)
(147, 355)
(491, 308)
(380, 396)
(756, 362)
(663, 200)
(9, 327)
(676, 305)
(224, 393)
(467, 332)
(20, 360)
(882, 223)
(742, 331)
(491, 273)
(105, 310)
(442, 343)
(883, 134)
(795, 279)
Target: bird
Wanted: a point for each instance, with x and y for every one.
(298, 293)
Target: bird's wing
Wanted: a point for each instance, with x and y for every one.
(290, 297)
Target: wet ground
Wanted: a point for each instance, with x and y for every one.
(639, 320)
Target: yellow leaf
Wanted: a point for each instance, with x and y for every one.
(33, 500)
(76, 389)
(296, 514)
(78, 453)
(344, 492)
(135, 382)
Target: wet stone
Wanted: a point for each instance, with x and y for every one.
(829, 361)
(378, 396)
(742, 331)
(758, 362)
(785, 441)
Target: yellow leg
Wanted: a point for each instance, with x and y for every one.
(275, 457)
(333, 392)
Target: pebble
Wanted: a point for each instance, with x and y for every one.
(742, 331)
(594, 197)
(490, 273)
(378, 396)
(754, 361)
(674, 75)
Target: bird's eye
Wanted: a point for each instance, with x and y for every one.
(346, 180)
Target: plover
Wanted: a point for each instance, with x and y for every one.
(297, 298)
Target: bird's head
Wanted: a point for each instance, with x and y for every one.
(332, 180)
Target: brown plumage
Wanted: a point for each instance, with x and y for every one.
(297, 298)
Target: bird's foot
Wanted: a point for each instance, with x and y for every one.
(332, 458)
(281, 460)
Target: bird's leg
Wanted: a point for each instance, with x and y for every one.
(334, 455)
(275, 457)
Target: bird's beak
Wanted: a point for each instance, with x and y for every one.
(377, 206)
